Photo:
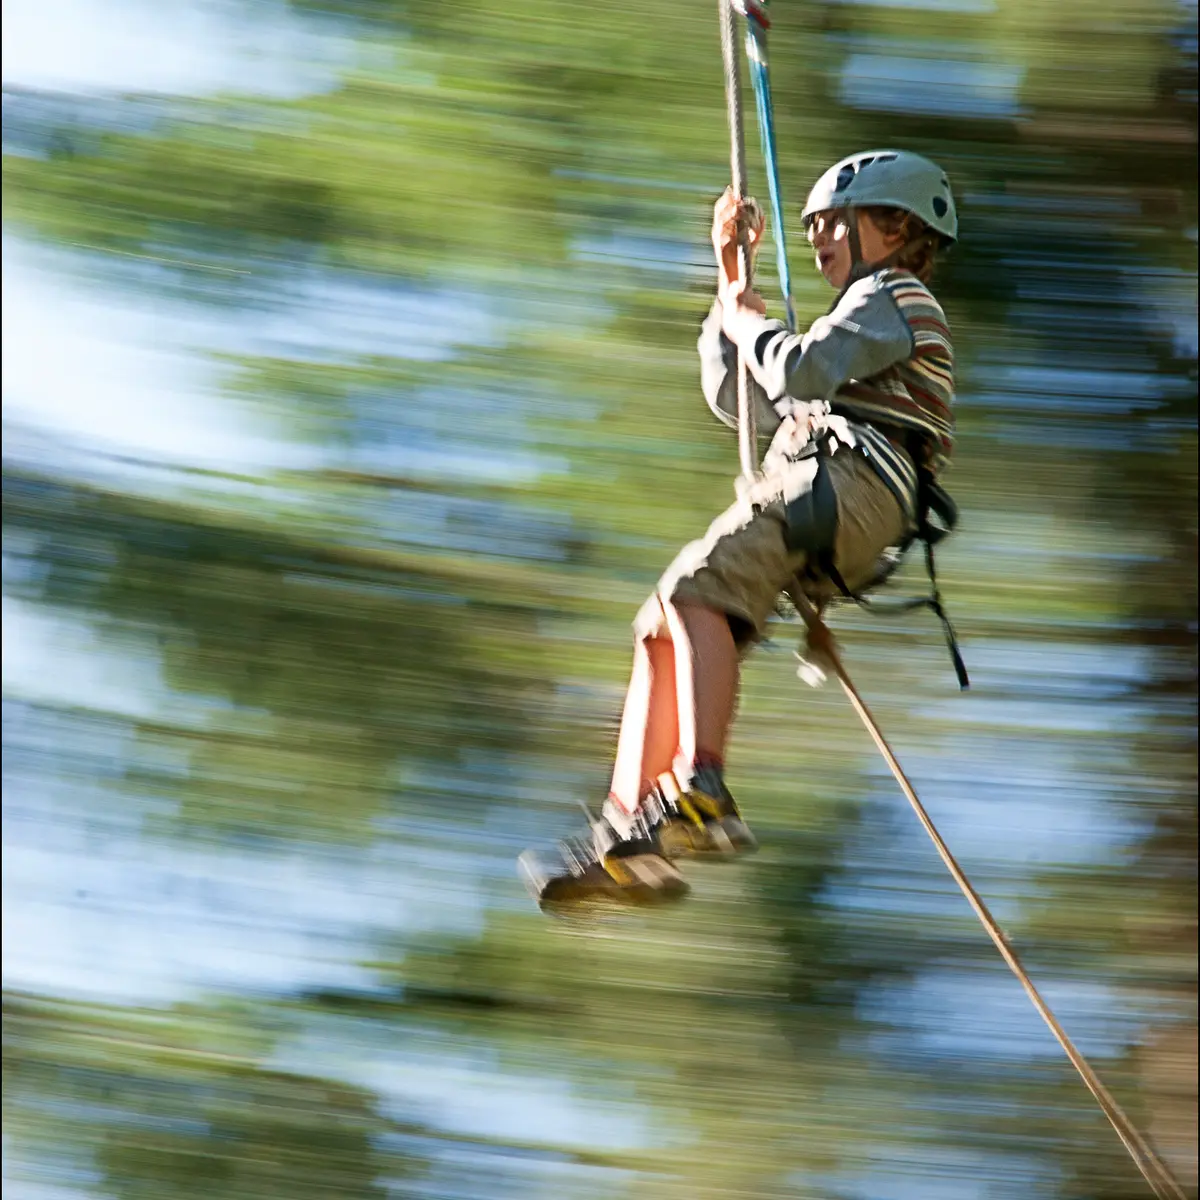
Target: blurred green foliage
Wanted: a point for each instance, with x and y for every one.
(557, 161)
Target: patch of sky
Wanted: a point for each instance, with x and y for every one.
(490, 811)
(418, 432)
(1092, 672)
(119, 371)
(1077, 382)
(53, 657)
(1066, 276)
(69, 1173)
(1171, 295)
(1066, 435)
(954, 6)
(1106, 380)
(124, 919)
(454, 1083)
(38, 124)
(935, 87)
(97, 369)
(17, 1187)
(933, 78)
(94, 907)
(895, 1171)
(699, 187)
(1054, 399)
(22, 570)
(1077, 203)
(333, 316)
(124, 371)
(200, 47)
(645, 252)
(84, 464)
(458, 524)
(985, 1014)
(1058, 714)
(1011, 805)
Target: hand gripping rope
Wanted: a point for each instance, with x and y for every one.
(822, 648)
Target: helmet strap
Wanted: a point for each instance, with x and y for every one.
(858, 268)
(856, 258)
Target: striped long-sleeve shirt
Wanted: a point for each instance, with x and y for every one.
(883, 356)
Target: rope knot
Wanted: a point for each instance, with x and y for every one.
(752, 11)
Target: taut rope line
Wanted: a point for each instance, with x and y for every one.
(747, 425)
(824, 649)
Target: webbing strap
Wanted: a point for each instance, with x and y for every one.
(935, 603)
(896, 608)
(757, 25)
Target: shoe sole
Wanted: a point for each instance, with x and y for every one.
(649, 881)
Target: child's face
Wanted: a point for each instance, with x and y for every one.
(828, 234)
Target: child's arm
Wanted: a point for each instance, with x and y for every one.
(862, 336)
(718, 377)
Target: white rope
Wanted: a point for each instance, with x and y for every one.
(747, 426)
(823, 649)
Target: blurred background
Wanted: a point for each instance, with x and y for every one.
(350, 409)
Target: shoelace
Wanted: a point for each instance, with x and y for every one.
(582, 850)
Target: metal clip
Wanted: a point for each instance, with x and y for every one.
(810, 672)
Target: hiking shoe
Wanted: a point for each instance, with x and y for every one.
(616, 860)
(702, 819)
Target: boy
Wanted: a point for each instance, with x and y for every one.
(859, 405)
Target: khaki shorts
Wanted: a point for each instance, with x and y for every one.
(742, 563)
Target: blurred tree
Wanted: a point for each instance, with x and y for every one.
(558, 159)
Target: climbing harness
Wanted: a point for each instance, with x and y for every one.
(811, 526)
(822, 649)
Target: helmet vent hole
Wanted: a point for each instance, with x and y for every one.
(940, 206)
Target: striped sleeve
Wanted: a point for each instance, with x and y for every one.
(718, 378)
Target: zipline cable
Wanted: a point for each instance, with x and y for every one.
(822, 645)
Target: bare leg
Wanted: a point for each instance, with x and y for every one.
(650, 723)
(706, 674)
